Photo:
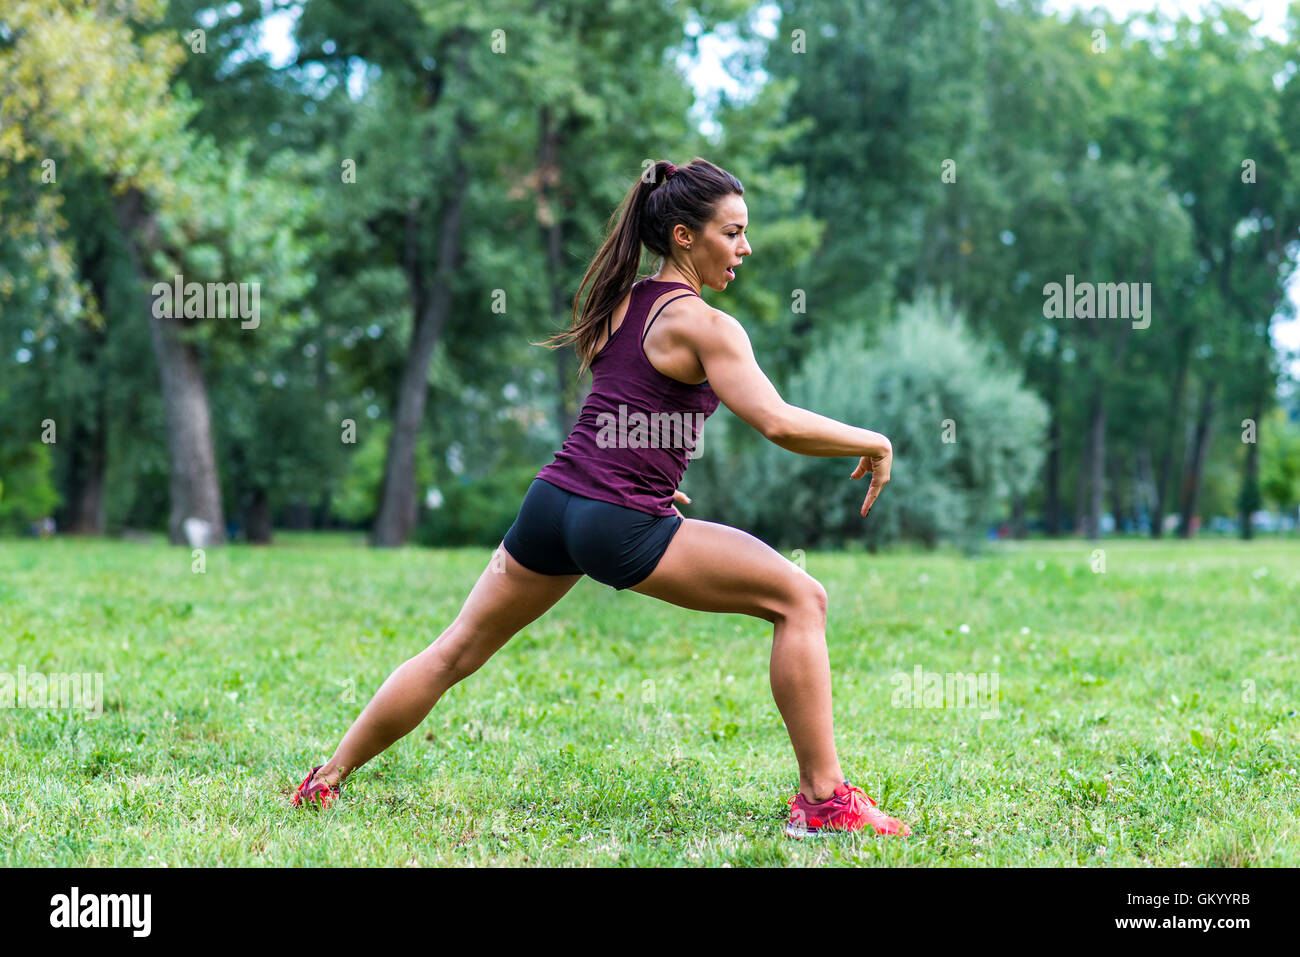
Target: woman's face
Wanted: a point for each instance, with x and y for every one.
(718, 248)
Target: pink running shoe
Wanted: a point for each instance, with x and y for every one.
(325, 793)
(849, 810)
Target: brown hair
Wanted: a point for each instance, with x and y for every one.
(652, 207)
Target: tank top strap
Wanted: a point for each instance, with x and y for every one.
(650, 287)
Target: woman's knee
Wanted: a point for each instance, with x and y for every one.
(806, 601)
(455, 655)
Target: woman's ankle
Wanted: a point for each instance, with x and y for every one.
(819, 789)
(329, 774)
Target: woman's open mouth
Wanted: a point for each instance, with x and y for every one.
(731, 273)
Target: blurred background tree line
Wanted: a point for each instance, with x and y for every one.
(418, 190)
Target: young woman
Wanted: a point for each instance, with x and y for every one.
(604, 506)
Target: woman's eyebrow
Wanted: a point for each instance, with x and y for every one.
(741, 225)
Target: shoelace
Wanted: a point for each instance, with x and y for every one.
(856, 795)
(875, 817)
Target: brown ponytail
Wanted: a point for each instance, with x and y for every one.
(646, 216)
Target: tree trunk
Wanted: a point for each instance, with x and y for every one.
(550, 217)
(1052, 506)
(1166, 465)
(321, 518)
(1115, 484)
(85, 486)
(195, 491)
(1196, 461)
(1143, 485)
(1079, 517)
(88, 456)
(299, 516)
(86, 481)
(432, 303)
(567, 393)
(1249, 499)
(1095, 466)
(257, 518)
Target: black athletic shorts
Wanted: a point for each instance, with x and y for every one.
(560, 533)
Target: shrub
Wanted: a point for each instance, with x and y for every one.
(26, 485)
(476, 511)
(926, 374)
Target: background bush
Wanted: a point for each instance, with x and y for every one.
(925, 367)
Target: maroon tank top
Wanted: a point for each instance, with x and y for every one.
(638, 428)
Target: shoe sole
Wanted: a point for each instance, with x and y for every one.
(801, 832)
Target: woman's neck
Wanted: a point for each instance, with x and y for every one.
(669, 274)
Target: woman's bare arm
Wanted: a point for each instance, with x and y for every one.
(727, 356)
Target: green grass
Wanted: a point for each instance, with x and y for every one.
(1148, 715)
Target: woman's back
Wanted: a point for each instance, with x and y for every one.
(638, 428)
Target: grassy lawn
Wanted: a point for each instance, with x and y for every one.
(1144, 715)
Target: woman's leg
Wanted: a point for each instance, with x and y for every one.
(506, 598)
(714, 567)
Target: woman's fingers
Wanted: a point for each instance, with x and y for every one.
(878, 466)
(680, 496)
(878, 482)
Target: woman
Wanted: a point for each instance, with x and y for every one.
(604, 506)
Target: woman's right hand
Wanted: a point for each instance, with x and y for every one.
(878, 465)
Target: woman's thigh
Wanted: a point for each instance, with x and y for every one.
(713, 567)
(507, 598)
